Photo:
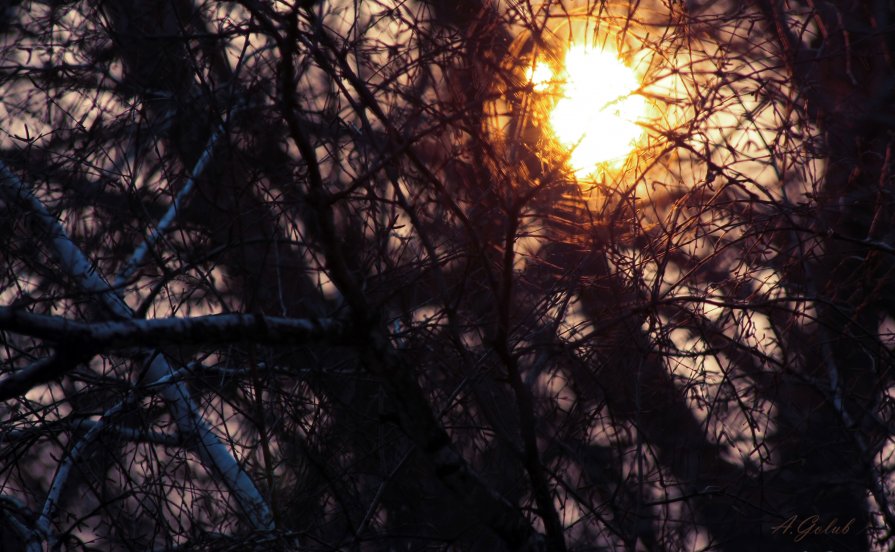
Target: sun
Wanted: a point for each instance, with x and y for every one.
(596, 113)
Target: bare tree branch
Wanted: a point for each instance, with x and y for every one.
(212, 329)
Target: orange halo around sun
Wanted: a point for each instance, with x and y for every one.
(597, 111)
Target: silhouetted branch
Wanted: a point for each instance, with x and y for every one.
(211, 329)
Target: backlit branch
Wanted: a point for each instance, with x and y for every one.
(182, 196)
(220, 328)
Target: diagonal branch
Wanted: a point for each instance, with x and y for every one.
(63, 360)
(132, 264)
(73, 262)
(59, 480)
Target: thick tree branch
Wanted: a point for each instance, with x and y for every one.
(198, 330)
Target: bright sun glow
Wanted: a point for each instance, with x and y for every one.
(540, 76)
(596, 115)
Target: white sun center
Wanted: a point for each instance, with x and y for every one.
(596, 114)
